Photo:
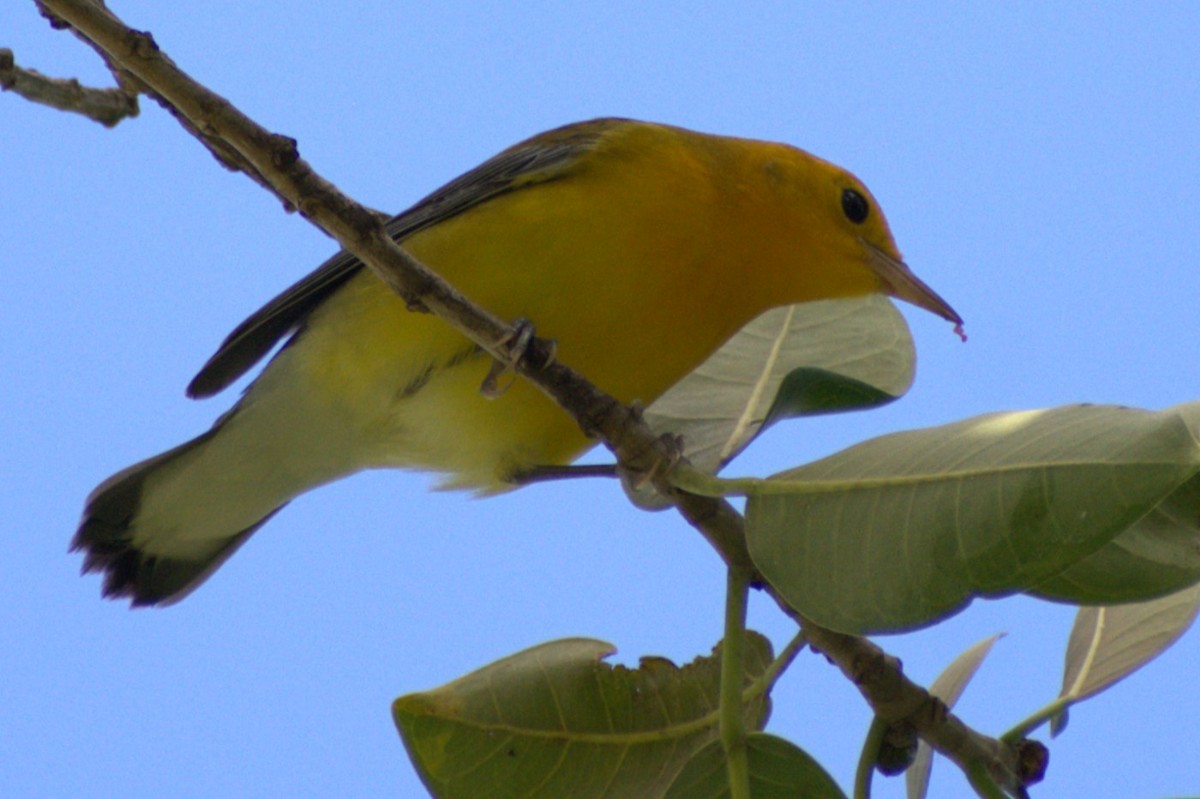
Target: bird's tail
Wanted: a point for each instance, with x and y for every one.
(159, 528)
(130, 563)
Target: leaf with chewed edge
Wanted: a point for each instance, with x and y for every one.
(555, 720)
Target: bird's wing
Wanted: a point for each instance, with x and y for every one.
(537, 160)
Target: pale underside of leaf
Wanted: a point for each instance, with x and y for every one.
(1107, 644)
(554, 721)
(725, 402)
(900, 531)
(948, 687)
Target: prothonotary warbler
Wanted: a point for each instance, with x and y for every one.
(640, 248)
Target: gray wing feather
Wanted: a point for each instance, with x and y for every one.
(524, 165)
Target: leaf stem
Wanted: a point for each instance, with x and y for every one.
(1024, 728)
(732, 723)
(766, 681)
(868, 757)
(982, 782)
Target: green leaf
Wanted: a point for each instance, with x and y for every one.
(800, 360)
(555, 721)
(1108, 644)
(1159, 554)
(811, 392)
(948, 687)
(778, 770)
(900, 531)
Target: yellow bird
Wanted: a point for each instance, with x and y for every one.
(640, 248)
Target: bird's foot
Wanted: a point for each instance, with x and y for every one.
(516, 345)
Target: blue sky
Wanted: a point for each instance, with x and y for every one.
(1039, 168)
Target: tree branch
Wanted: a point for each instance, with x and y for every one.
(106, 106)
(878, 676)
(273, 160)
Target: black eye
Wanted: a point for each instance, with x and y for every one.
(855, 206)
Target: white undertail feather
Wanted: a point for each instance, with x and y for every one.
(279, 442)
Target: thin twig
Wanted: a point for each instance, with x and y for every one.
(106, 106)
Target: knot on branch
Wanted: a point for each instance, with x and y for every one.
(599, 414)
(284, 150)
(56, 22)
(933, 711)
(140, 44)
(1033, 758)
(8, 63)
(897, 750)
(882, 675)
(646, 458)
(368, 226)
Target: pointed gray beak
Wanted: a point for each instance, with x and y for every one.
(902, 284)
